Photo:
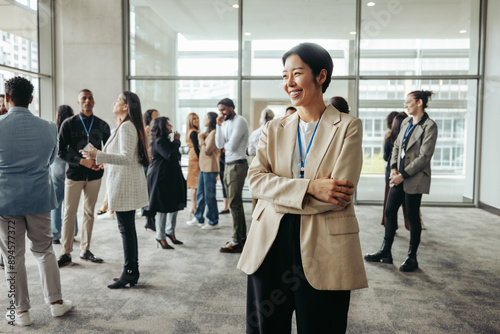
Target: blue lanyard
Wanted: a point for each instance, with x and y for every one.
(303, 161)
(90, 127)
(409, 128)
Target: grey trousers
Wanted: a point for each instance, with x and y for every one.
(13, 231)
(234, 179)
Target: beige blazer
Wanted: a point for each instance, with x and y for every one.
(329, 240)
(209, 154)
(418, 155)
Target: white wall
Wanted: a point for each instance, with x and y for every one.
(489, 193)
(89, 53)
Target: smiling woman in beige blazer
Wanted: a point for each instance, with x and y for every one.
(303, 251)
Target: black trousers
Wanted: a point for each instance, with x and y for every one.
(126, 225)
(279, 287)
(396, 197)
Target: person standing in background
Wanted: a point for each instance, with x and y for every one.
(209, 168)
(58, 175)
(410, 177)
(3, 107)
(82, 175)
(193, 128)
(232, 135)
(166, 183)
(340, 104)
(222, 163)
(290, 110)
(149, 116)
(266, 115)
(393, 120)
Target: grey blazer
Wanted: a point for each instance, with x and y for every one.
(418, 155)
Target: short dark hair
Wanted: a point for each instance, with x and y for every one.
(340, 104)
(316, 57)
(227, 102)
(2, 95)
(85, 90)
(291, 108)
(19, 90)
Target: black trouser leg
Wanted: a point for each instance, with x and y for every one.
(126, 225)
(413, 210)
(394, 201)
(279, 286)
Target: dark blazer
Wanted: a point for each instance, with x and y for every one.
(166, 183)
(418, 155)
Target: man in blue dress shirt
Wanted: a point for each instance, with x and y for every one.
(28, 145)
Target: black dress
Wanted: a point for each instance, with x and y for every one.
(387, 157)
(166, 183)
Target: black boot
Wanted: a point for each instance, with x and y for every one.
(129, 276)
(150, 223)
(410, 263)
(383, 255)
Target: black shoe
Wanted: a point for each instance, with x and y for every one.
(88, 256)
(174, 239)
(167, 246)
(230, 248)
(150, 223)
(129, 276)
(223, 212)
(409, 265)
(64, 260)
(56, 242)
(379, 256)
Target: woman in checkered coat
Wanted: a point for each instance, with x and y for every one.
(124, 157)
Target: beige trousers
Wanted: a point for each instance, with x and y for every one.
(72, 192)
(13, 231)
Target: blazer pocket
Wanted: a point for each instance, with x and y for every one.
(342, 225)
(257, 212)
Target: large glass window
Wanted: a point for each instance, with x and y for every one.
(179, 49)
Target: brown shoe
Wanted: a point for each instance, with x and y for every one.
(230, 248)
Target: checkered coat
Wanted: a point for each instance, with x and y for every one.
(125, 180)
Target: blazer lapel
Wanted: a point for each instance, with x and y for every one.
(324, 136)
(415, 135)
(287, 134)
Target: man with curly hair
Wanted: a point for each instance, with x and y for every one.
(28, 145)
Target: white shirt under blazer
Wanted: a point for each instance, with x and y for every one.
(125, 180)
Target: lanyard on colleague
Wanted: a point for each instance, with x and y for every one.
(90, 127)
(409, 128)
(303, 161)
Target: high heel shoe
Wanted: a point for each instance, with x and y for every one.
(167, 246)
(150, 223)
(129, 276)
(174, 239)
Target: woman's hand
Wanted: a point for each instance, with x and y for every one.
(90, 153)
(331, 190)
(395, 179)
(177, 135)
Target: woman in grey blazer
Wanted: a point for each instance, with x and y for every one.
(410, 177)
(124, 156)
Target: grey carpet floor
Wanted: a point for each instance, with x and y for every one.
(196, 289)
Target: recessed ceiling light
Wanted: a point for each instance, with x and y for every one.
(463, 31)
(236, 5)
(371, 4)
(352, 33)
